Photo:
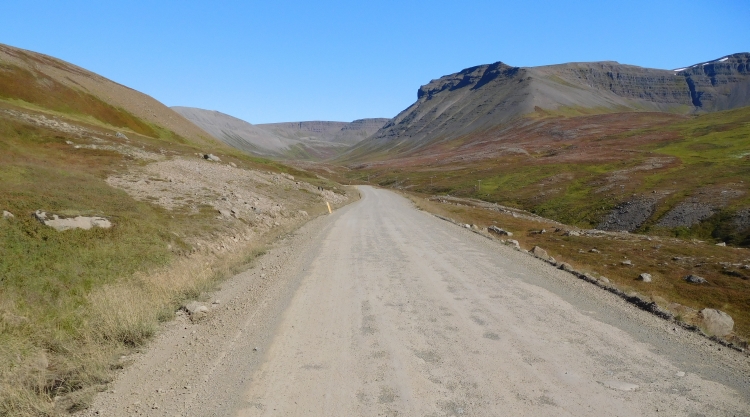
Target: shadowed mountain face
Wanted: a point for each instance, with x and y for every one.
(485, 96)
(293, 140)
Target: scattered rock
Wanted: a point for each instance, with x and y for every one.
(540, 253)
(565, 266)
(644, 277)
(120, 135)
(499, 231)
(572, 233)
(287, 176)
(302, 213)
(225, 213)
(474, 227)
(514, 243)
(7, 215)
(716, 322)
(468, 226)
(721, 244)
(595, 250)
(687, 214)
(196, 310)
(211, 157)
(233, 165)
(627, 262)
(695, 279)
(680, 374)
(604, 280)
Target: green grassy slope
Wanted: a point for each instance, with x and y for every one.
(566, 179)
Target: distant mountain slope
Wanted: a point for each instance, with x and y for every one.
(295, 140)
(50, 83)
(481, 97)
(339, 132)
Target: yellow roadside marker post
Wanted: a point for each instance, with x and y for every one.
(329, 207)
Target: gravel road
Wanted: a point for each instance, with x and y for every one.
(383, 310)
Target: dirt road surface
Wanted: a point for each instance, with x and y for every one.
(383, 310)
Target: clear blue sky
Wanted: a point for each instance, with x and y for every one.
(278, 61)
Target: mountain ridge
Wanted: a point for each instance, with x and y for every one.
(485, 96)
(292, 140)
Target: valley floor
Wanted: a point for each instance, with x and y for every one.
(381, 309)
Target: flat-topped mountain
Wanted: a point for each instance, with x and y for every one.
(293, 140)
(485, 96)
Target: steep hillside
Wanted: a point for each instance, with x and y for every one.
(291, 140)
(482, 97)
(114, 213)
(30, 79)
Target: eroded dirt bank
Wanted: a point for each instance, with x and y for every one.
(381, 309)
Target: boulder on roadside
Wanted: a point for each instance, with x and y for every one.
(540, 253)
(211, 157)
(695, 279)
(721, 244)
(716, 322)
(196, 310)
(644, 277)
(572, 233)
(514, 243)
(225, 213)
(565, 266)
(498, 231)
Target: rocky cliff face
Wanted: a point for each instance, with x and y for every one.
(721, 84)
(481, 97)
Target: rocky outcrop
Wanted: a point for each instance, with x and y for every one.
(79, 222)
(720, 84)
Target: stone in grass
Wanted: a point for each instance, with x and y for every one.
(716, 322)
(627, 262)
(540, 253)
(196, 310)
(644, 277)
(7, 215)
(565, 266)
(499, 231)
(721, 244)
(695, 279)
